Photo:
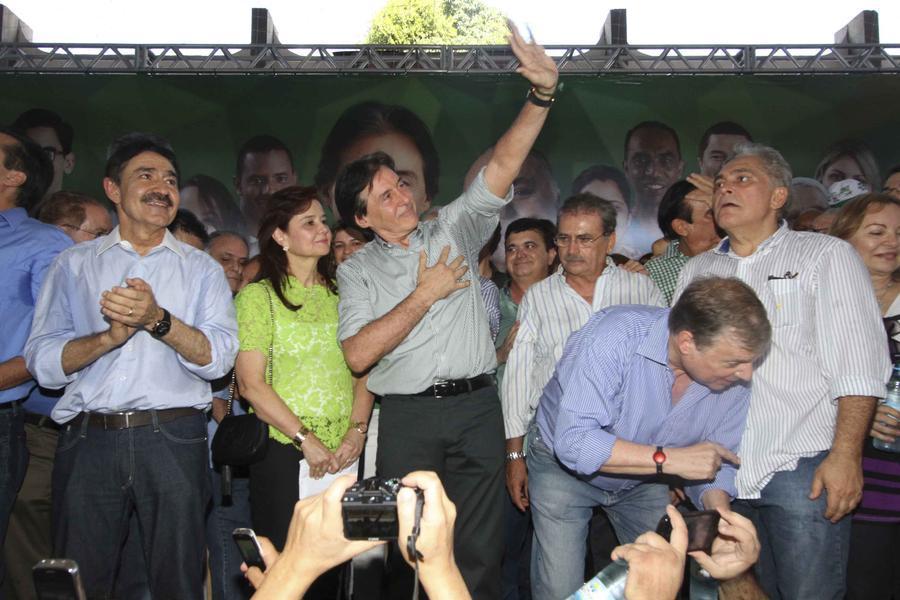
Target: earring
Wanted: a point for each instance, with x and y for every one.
(286, 248)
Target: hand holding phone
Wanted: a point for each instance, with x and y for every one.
(703, 527)
(249, 547)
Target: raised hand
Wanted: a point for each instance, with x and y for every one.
(534, 64)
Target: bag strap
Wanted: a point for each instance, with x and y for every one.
(270, 367)
(232, 387)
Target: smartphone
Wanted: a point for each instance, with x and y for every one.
(702, 526)
(249, 547)
(58, 579)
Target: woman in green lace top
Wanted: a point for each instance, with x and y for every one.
(313, 403)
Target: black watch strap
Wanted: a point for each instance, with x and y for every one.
(538, 101)
(162, 327)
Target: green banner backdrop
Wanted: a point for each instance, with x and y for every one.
(208, 117)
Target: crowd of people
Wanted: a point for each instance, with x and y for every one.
(551, 371)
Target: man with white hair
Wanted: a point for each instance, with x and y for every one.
(814, 392)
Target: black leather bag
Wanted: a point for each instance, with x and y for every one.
(243, 439)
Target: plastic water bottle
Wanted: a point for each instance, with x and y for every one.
(608, 584)
(893, 400)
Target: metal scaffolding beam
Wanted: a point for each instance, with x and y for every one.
(234, 59)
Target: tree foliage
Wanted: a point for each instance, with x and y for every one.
(437, 22)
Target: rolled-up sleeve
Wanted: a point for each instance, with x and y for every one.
(51, 329)
(355, 308)
(850, 334)
(589, 386)
(215, 318)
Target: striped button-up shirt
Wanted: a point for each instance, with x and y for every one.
(614, 382)
(549, 313)
(827, 342)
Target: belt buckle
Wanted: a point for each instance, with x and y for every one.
(442, 388)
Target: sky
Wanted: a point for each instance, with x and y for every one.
(556, 22)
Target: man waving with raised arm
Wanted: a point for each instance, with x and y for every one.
(409, 313)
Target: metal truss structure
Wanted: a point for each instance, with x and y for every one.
(332, 59)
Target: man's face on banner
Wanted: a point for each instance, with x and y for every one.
(652, 164)
(262, 173)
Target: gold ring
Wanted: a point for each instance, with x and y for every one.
(130, 311)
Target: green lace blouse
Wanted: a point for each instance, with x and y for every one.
(310, 374)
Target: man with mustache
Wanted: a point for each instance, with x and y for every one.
(814, 392)
(134, 324)
(652, 163)
(554, 308)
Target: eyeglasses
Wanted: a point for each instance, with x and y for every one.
(95, 234)
(584, 241)
(51, 152)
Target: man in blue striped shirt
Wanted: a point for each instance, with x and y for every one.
(640, 392)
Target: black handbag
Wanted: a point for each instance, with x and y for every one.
(243, 439)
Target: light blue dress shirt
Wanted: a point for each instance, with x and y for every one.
(614, 382)
(27, 247)
(144, 373)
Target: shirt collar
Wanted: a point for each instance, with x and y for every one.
(115, 238)
(416, 240)
(656, 345)
(673, 249)
(772, 241)
(14, 216)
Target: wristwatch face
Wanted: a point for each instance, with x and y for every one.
(361, 427)
(659, 457)
(162, 328)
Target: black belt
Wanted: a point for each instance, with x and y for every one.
(132, 418)
(42, 421)
(454, 387)
(12, 404)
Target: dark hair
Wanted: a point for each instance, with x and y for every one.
(127, 146)
(721, 128)
(353, 179)
(41, 117)
(66, 208)
(225, 233)
(491, 245)
(361, 235)
(673, 206)
(711, 306)
(260, 144)
(372, 118)
(652, 125)
(281, 207)
(213, 192)
(604, 173)
(544, 227)
(188, 222)
(850, 216)
(589, 203)
(27, 157)
(892, 171)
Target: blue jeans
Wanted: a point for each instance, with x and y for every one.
(228, 582)
(561, 508)
(13, 463)
(158, 473)
(803, 554)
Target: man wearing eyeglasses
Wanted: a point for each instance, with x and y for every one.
(48, 130)
(556, 307)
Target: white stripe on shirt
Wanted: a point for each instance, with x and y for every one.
(827, 342)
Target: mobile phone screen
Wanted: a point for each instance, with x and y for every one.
(249, 548)
(55, 584)
(703, 527)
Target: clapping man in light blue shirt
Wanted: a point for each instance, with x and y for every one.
(640, 392)
(134, 324)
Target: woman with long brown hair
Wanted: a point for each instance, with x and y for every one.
(290, 366)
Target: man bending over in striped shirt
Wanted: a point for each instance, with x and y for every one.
(640, 392)
(813, 394)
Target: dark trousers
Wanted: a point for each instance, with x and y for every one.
(460, 438)
(157, 473)
(228, 583)
(13, 462)
(873, 572)
(28, 537)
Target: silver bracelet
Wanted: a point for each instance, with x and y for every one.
(511, 456)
